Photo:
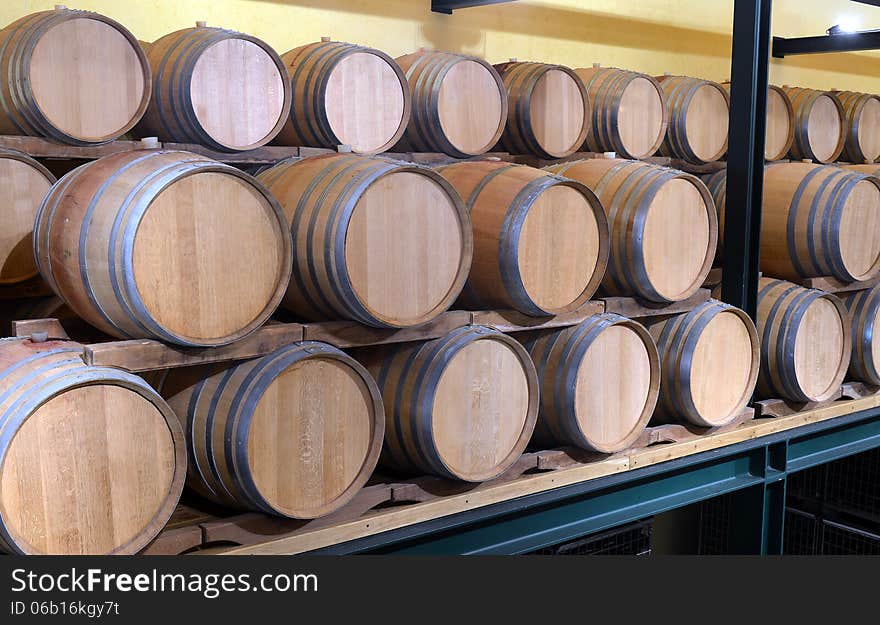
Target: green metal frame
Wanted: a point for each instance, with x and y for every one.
(755, 470)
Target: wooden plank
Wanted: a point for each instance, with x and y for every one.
(252, 528)
(515, 321)
(438, 158)
(147, 355)
(181, 533)
(785, 408)
(265, 155)
(43, 148)
(748, 431)
(384, 520)
(353, 334)
(833, 285)
(635, 308)
(34, 327)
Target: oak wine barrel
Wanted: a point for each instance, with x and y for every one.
(779, 123)
(293, 434)
(164, 244)
(344, 94)
(710, 359)
(75, 77)
(462, 406)
(24, 184)
(219, 88)
(805, 342)
(459, 104)
(864, 315)
(541, 241)
(549, 114)
(699, 112)
(820, 220)
(378, 241)
(629, 112)
(663, 226)
(862, 124)
(599, 383)
(820, 125)
(92, 460)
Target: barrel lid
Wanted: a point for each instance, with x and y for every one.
(97, 436)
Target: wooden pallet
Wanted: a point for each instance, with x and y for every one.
(433, 159)
(833, 285)
(637, 309)
(785, 408)
(148, 355)
(387, 494)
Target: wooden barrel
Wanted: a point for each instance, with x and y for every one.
(599, 383)
(717, 185)
(820, 125)
(779, 128)
(294, 434)
(710, 359)
(345, 94)
(629, 112)
(862, 124)
(92, 460)
(75, 77)
(163, 244)
(541, 241)
(225, 90)
(462, 407)
(699, 114)
(864, 316)
(820, 221)
(805, 342)
(663, 227)
(25, 183)
(549, 114)
(377, 241)
(459, 104)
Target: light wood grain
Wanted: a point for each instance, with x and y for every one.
(779, 133)
(307, 423)
(819, 196)
(699, 112)
(114, 441)
(24, 183)
(87, 80)
(345, 94)
(820, 125)
(386, 520)
(147, 355)
(549, 114)
(599, 383)
(201, 256)
(541, 242)
(710, 360)
(473, 393)
(377, 241)
(238, 93)
(663, 241)
(864, 318)
(225, 90)
(806, 342)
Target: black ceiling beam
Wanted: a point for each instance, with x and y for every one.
(448, 6)
(841, 42)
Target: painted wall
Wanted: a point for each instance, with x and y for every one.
(655, 36)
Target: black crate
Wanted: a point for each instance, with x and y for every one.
(633, 539)
(812, 534)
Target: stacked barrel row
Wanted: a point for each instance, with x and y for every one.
(818, 221)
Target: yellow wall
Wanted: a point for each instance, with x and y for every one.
(654, 36)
